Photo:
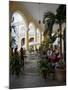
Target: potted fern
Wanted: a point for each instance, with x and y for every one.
(45, 68)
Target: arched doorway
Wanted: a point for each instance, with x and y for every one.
(38, 38)
(19, 29)
(32, 35)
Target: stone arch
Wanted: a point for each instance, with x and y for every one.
(22, 26)
(33, 34)
(38, 35)
(22, 15)
(31, 28)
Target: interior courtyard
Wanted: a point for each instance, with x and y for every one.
(28, 32)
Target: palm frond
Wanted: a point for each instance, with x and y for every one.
(48, 15)
(61, 13)
(53, 38)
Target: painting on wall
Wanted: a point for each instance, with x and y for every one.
(37, 44)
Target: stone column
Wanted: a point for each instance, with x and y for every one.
(40, 37)
(27, 40)
(19, 42)
(35, 39)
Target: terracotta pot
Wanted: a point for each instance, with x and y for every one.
(60, 74)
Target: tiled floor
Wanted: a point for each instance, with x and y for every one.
(31, 77)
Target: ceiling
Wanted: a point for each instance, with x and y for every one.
(37, 10)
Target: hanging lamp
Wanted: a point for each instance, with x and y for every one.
(39, 14)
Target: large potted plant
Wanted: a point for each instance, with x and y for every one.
(60, 71)
(45, 68)
(15, 63)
